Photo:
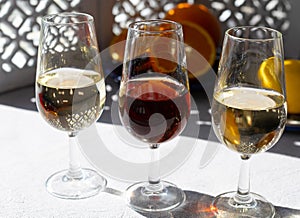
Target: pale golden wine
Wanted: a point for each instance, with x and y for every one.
(70, 99)
(248, 120)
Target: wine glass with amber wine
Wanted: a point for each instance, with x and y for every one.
(248, 109)
(70, 93)
(154, 103)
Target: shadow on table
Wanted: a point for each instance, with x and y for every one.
(197, 205)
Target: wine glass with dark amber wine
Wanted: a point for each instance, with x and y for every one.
(249, 109)
(70, 93)
(154, 103)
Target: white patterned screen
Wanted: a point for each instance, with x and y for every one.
(270, 13)
(127, 11)
(19, 24)
(19, 29)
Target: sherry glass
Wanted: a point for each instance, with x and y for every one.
(70, 93)
(248, 109)
(154, 103)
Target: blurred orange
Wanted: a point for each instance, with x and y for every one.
(163, 61)
(199, 47)
(200, 51)
(292, 77)
(230, 129)
(198, 14)
(202, 34)
(269, 73)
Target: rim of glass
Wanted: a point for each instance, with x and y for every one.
(133, 26)
(277, 34)
(49, 19)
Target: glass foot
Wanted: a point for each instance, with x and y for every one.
(227, 205)
(148, 198)
(62, 186)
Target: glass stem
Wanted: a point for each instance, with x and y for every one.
(154, 170)
(74, 171)
(243, 192)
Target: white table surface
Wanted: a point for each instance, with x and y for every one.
(31, 150)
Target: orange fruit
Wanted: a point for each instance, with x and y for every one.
(199, 47)
(230, 129)
(269, 74)
(162, 54)
(167, 64)
(292, 78)
(198, 14)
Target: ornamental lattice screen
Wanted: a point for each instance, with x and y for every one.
(19, 35)
(19, 24)
(127, 11)
(271, 13)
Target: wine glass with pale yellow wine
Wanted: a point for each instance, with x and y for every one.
(70, 93)
(248, 109)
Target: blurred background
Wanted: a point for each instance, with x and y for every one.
(204, 23)
(19, 26)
